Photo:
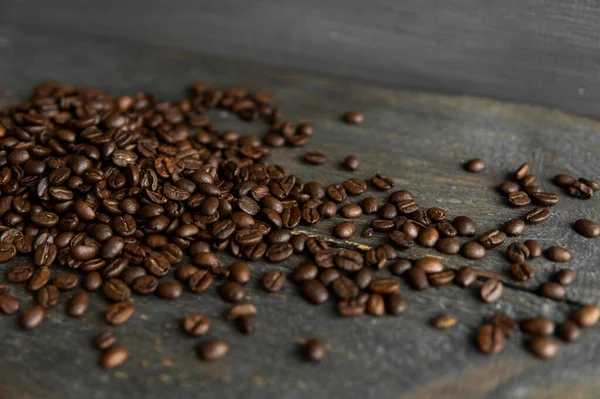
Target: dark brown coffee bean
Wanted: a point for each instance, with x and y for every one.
(465, 276)
(44, 255)
(32, 317)
(384, 285)
(145, 285)
(39, 279)
(345, 288)
(232, 291)
(350, 211)
(517, 252)
(586, 316)
(240, 272)
(351, 162)
(563, 180)
(368, 233)
(566, 276)
(558, 254)
(315, 350)
(508, 187)
(514, 227)
(273, 281)
(492, 239)
(213, 349)
(537, 215)
(505, 323)
(45, 219)
(353, 117)
(587, 228)
(9, 305)
(92, 281)
(581, 190)
(594, 185)
(491, 290)
(349, 260)
(118, 313)
(327, 209)
(464, 226)
(543, 347)
(407, 207)
(355, 186)
(387, 211)
(78, 304)
(400, 266)
(369, 205)
(417, 279)
(20, 273)
(310, 216)
(114, 357)
(116, 290)
(382, 182)
(441, 278)
(535, 249)
(65, 281)
(279, 252)
(518, 199)
(429, 237)
(400, 240)
(538, 326)
(307, 271)
(241, 310)
(353, 307)
(314, 291)
(475, 165)
(105, 340)
(444, 321)
(528, 180)
(328, 276)
(48, 296)
(429, 265)
(196, 324)
(344, 230)
(158, 265)
(336, 192)
(568, 331)
(375, 305)
(490, 339)
(545, 199)
(116, 268)
(169, 290)
(473, 250)
(553, 290)
(521, 271)
(395, 304)
(382, 225)
(447, 245)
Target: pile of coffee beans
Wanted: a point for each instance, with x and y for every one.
(125, 192)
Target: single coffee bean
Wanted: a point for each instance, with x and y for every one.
(429, 265)
(545, 199)
(521, 271)
(558, 254)
(240, 272)
(444, 321)
(114, 357)
(169, 290)
(417, 279)
(407, 207)
(400, 240)
(351, 162)
(314, 291)
(363, 277)
(353, 307)
(196, 324)
(369, 205)
(587, 228)
(491, 290)
(382, 182)
(464, 226)
(336, 192)
(400, 266)
(39, 278)
(522, 171)
(8, 251)
(441, 278)
(475, 165)
(594, 185)
(345, 288)
(315, 157)
(328, 276)
(105, 340)
(514, 227)
(9, 305)
(307, 271)
(116, 290)
(517, 252)
(315, 350)
(298, 242)
(273, 281)
(20, 273)
(446, 229)
(279, 252)
(465, 276)
(586, 316)
(473, 250)
(566, 276)
(118, 313)
(213, 349)
(78, 305)
(490, 339)
(539, 325)
(518, 199)
(350, 211)
(349, 260)
(535, 249)
(344, 230)
(568, 331)
(528, 180)
(400, 195)
(355, 186)
(553, 290)
(537, 215)
(492, 239)
(65, 281)
(505, 323)
(388, 211)
(327, 209)
(395, 304)
(375, 305)
(447, 245)
(384, 285)
(563, 180)
(48, 296)
(92, 281)
(543, 347)
(429, 237)
(32, 317)
(581, 190)
(241, 310)
(508, 187)
(232, 291)
(353, 117)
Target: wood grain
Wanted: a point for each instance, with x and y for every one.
(418, 139)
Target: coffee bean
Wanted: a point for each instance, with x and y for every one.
(344, 230)
(353, 117)
(514, 228)
(326, 258)
(213, 349)
(363, 277)
(473, 250)
(241, 310)
(351, 162)
(44, 255)
(328, 276)
(279, 252)
(273, 281)
(350, 211)
(382, 225)
(400, 240)
(370, 205)
(446, 229)
(315, 350)
(539, 325)
(196, 324)
(417, 279)
(444, 321)
(169, 290)
(475, 165)
(581, 190)
(368, 233)
(517, 252)
(114, 357)
(336, 192)
(566, 276)
(563, 180)
(465, 276)
(518, 199)
(65, 281)
(558, 254)
(586, 316)
(315, 157)
(307, 271)
(441, 278)
(400, 266)
(298, 242)
(240, 272)
(553, 290)
(9, 304)
(382, 182)
(78, 304)
(375, 305)
(105, 340)
(447, 245)
(20, 273)
(568, 331)
(327, 209)
(545, 199)
(587, 228)
(543, 347)
(92, 281)
(349, 260)
(314, 291)
(429, 265)
(344, 288)
(521, 271)
(232, 291)
(537, 215)
(535, 249)
(387, 211)
(505, 323)
(32, 317)
(353, 307)
(465, 226)
(48, 296)
(407, 207)
(395, 304)
(355, 186)
(508, 187)
(491, 290)
(492, 239)
(116, 290)
(7, 251)
(490, 339)
(39, 278)
(429, 237)
(594, 185)
(384, 285)
(118, 313)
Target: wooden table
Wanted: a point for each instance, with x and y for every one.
(420, 140)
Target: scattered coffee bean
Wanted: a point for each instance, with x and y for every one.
(505, 323)
(315, 157)
(314, 291)
(328, 276)
(535, 249)
(465, 226)
(48, 296)
(465, 276)
(273, 281)
(545, 199)
(169, 290)
(537, 215)
(78, 305)
(118, 313)
(553, 290)
(521, 271)
(388, 211)
(581, 190)
(508, 187)
(492, 239)
(376, 305)
(114, 357)
(594, 185)
(444, 321)
(395, 304)
(490, 339)
(475, 165)
(514, 227)
(586, 316)
(32, 317)
(196, 324)
(353, 117)
(566, 276)
(568, 331)
(244, 324)
(232, 291)
(491, 290)
(441, 278)
(429, 237)
(370, 205)
(315, 350)
(307, 271)
(473, 250)
(558, 254)
(9, 304)
(105, 340)
(400, 266)
(368, 233)
(518, 199)
(213, 349)
(382, 182)
(417, 279)
(363, 278)
(563, 180)
(522, 171)
(587, 228)
(344, 230)
(543, 347)
(539, 325)
(400, 240)
(241, 310)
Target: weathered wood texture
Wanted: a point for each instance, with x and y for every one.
(419, 140)
(539, 51)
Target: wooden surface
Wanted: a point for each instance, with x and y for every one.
(538, 51)
(420, 140)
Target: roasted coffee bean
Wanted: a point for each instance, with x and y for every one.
(273, 281)
(65, 281)
(473, 250)
(545, 199)
(417, 279)
(315, 350)
(492, 239)
(353, 307)
(353, 117)
(382, 225)
(429, 265)
(368, 233)
(447, 245)
(491, 290)
(395, 304)
(538, 326)
(48, 296)
(298, 242)
(543, 347)
(92, 281)
(444, 321)
(400, 240)
(116, 290)
(200, 281)
(196, 324)
(344, 230)
(517, 252)
(521, 271)
(400, 266)
(429, 237)
(355, 186)
(505, 323)
(465, 276)
(518, 199)
(44, 255)
(475, 165)
(32, 317)
(369, 205)
(213, 349)
(328, 276)
(118, 313)
(241, 310)
(375, 305)
(581, 190)
(387, 211)
(78, 304)
(336, 192)
(349, 260)
(350, 211)
(384, 285)
(522, 171)
(568, 331)
(145, 285)
(9, 305)
(490, 339)
(351, 162)
(232, 291)
(39, 278)
(587, 228)
(114, 357)
(464, 226)
(566, 276)
(586, 316)
(45, 219)
(594, 185)
(20, 273)
(307, 271)
(508, 187)
(441, 278)
(314, 291)
(553, 290)
(310, 216)
(327, 209)
(382, 182)
(240, 272)
(279, 252)
(514, 228)
(537, 215)
(535, 249)
(558, 254)
(169, 290)
(563, 180)
(187, 270)
(363, 278)
(407, 207)
(345, 288)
